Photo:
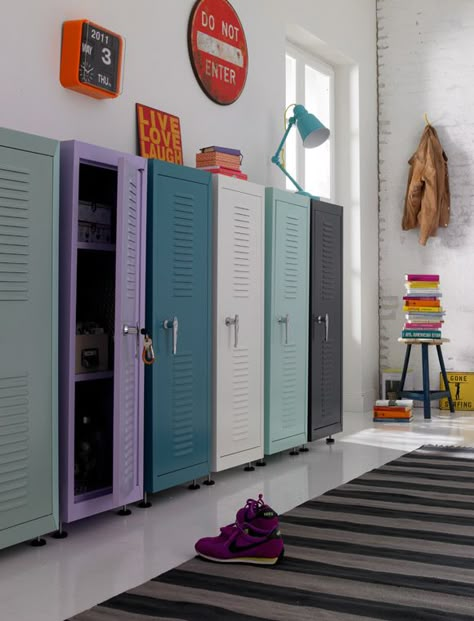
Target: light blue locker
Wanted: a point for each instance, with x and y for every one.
(177, 385)
(29, 183)
(287, 218)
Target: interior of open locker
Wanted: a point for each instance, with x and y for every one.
(95, 333)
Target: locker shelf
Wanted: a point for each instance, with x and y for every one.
(97, 375)
(94, 246)
(93, 494)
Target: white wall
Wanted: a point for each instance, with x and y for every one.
(158, 73)
(425, 66)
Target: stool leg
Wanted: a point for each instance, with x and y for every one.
(445, 378)
(405, 367)
(426, 381)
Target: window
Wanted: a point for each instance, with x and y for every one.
(310, 82)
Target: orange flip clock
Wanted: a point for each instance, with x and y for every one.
(91, 59)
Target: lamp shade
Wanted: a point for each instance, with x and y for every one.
(312, 131)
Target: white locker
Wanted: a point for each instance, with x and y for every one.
(238, 316)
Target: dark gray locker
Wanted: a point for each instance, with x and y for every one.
(325, 351)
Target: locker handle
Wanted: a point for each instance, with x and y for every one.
(324, 319)
(173, 325)
(286, 321)
(131, 329)
(234, 322)
(126, 329)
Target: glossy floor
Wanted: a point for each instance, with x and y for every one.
(107, 554)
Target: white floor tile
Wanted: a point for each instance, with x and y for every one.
(107, 554)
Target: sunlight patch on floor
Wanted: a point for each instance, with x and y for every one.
(391, 436)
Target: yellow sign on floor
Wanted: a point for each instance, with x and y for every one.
(461, 387)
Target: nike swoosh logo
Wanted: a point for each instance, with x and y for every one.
(235, 548)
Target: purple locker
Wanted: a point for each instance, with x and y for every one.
(102, 296)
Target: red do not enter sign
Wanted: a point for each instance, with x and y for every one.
(218, 50)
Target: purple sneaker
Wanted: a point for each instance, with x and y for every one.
(245, 544)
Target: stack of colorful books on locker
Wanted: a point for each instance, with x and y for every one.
(221, 160)
(422, 305)
(399, 410)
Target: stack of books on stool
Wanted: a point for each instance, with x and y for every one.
(221, 160)
(422, 305)
(398, 411)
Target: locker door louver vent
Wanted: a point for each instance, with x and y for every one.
(240, 394)
(241, 243)
(328, 371)
(183, 241)
(183, 406)
(128, 436)
(132, 249)
(14, 234)
(14, 442)
(288, 387)
(328, 267)
(291, 257)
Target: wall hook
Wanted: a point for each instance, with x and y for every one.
(426, 120)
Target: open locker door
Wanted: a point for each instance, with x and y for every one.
(129, 319)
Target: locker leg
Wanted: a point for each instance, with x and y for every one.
(124, 511)
(294, 452)
(194, 485)
(249, 467)
(261, 463)
(330, 440)
(145, 503)
(303, 449)
(60, 533)
(38, 542)
(208, 481)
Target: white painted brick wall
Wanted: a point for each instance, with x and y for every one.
(426, 65)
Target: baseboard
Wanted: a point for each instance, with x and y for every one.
(360, 403)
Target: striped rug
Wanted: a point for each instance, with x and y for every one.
(396, 543)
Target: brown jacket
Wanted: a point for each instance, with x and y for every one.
(427, 198)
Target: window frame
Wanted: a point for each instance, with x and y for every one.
(303, 58)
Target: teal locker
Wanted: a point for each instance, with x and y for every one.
(177, 385)
(29, 183)
(287, 218)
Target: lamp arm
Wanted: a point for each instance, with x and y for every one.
(295, 183)
(276, 157)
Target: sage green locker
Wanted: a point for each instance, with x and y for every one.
(287, 218)
(29, 183)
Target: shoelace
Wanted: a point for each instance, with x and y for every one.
(252, 506)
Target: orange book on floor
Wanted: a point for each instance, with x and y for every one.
(392, 408)
(388, 414)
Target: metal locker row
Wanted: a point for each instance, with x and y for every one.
(239, 287)
(204, 394)
(303, 320)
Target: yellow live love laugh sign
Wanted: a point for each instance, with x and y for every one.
(461, 387)
(159, 135)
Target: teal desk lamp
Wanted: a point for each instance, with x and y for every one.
(312, 132)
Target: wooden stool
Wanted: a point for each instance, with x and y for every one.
(426, 395)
